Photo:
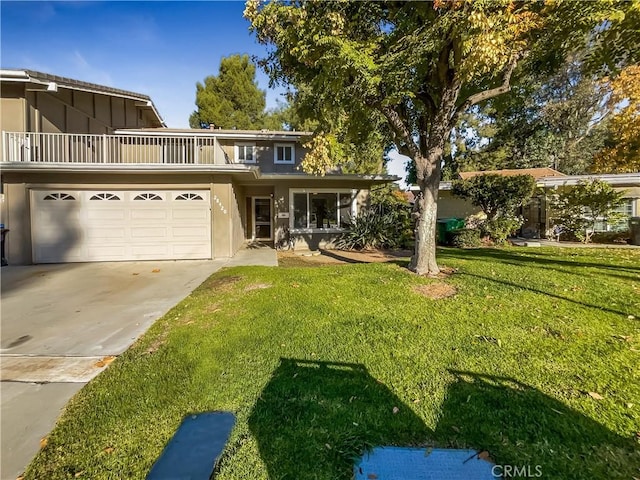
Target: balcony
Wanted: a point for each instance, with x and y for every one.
(83, 149)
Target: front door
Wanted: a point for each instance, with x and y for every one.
(262, 218)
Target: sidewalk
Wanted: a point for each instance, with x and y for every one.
(521, 242)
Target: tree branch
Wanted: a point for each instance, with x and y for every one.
(590, 127)
(401, 130)
(487, 94)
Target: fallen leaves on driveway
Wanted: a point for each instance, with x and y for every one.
(103, 362)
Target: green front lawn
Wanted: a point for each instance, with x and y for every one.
(535, 359)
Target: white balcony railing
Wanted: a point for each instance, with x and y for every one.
(110, 149)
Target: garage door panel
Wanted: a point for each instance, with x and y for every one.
(190, 213)
(149, 214)
(106, 252)
(107, 213)
(196, 232)
(189, 251)
(97, 234)
(58, 215)
(158, 233)
(151, 251)
(78, 226)
(59, 253)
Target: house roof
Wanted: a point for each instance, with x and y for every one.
(536, 173)
(54, 81)
(247, 171)
(217, 132)
(615, 179)
(560, 179)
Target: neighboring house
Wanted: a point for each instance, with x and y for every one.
(536, 212)
(90, 173)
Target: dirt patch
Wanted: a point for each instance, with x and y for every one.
(257, 286)
(213, 307)
(337, 257)
(446, 272)
(156, 344)
(436, 291)
(223, 283)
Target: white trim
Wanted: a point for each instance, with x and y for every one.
(284, 145)
(308, 229)
(222, 134)
(253, 218)
(236, 152)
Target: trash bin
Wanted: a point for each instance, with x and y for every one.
(634, 230)
(3, 232)
(448, 225)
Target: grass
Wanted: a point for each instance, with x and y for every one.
(320, 363)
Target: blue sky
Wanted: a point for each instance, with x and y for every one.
(157, 48)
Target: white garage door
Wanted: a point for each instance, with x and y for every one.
(111, 225)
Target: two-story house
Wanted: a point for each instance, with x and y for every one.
(90, 173)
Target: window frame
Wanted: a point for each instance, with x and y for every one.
(309, 191)
(290, 145)
(236, 151)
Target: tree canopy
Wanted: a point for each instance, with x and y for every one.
(232, 99)
(622, 146)
(419, 66)
(496, 195)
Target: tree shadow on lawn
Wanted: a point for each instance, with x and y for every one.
(542, 292)
(315, 419)
(538, 258)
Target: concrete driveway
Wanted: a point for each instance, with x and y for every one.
(59, 321)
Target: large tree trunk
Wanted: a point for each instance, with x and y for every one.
(429, 170)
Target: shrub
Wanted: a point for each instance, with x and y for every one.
(577, 210)
(464, 238)
(385, 224)
(498, 229)
(370, 229)
(621, 236)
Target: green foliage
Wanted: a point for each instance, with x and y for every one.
(576, 210)
(231, 100)
(372, 228)
(496, 195)
(420, 65)
(386, 223)
(558, 121)
(500, 228)
(464, 238)
(619, 237)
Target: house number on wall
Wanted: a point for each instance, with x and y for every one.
(217, 200)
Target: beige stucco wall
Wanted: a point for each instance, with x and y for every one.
(450, 206)
(238, 217)
(18, 240)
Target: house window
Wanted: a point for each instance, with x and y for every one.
(322, 209)
(147, 196)
(284, 153)
(626, 209)
(105, 196)
(188, 196)
(59, 196)
(245, 152)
